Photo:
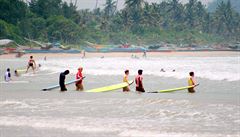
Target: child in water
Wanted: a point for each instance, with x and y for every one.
(7, 76)
(125, 79)
(191, 82)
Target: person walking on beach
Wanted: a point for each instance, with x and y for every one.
(191, 82)
(144, 53)
(62, 80)
(84, 54)
(7, 76)
(139, 82)
(32, 64)
(79, 83)
(125, 79)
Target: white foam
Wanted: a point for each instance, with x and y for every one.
(213, 68)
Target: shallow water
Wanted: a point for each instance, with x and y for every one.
(212, 111)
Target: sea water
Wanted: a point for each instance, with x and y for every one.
(213, 111)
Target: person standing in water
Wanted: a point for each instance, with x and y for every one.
(79, 75)
(191, 82)
(139, 82)
(62, 80)
(32, 64)
(7, 76)
(125, 79)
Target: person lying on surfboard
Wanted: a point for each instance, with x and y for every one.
(191, 82)
(79, 75)
(125, 79)
(32, 64)
(62, 80)
(139, 82)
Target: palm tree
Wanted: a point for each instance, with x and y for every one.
(110, 7)
(134, 9)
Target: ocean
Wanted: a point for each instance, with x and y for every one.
(213, 111)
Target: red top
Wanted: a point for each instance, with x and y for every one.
(138, 81)
(30, 61)
(79, 76)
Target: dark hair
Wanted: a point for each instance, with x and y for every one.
(8, 69)
(126, 71)
(31, 57)
(140, 72)
(191, 73)
(66, 72)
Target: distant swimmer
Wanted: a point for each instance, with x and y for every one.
(79, 75)
(31, 63)
(173, 70)
(45, 58)
(191, 82)
(125, 79)
(62, 80)
(162, 70)
(7, 76)
(139, 81)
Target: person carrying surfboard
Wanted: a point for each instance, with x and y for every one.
(125, 79)
(32, 64)
(139, 82)
(191, 82)
(79, 75)
(62, 80)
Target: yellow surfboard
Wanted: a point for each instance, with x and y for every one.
(173, 89)
(110, 88)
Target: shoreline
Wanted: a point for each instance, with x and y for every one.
(129, 54)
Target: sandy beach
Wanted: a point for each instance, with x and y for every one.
(129, 54)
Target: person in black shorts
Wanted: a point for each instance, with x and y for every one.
(32, 64)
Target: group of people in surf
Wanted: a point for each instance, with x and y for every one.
(31, 64)
(80, 77)
(138, 81)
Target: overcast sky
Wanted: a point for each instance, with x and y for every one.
(90, 4)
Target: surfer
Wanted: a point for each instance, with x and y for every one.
(62, 80)
(125, 79)
(191, 82)
(32, 64)
(79, 84)
(7, 76)
(139, 81)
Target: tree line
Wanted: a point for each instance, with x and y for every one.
(139, 22)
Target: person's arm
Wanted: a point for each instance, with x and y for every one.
(193, 81)
(140, 82)
(126, 78)
(34, 64)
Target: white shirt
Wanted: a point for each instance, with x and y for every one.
(7, 76)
